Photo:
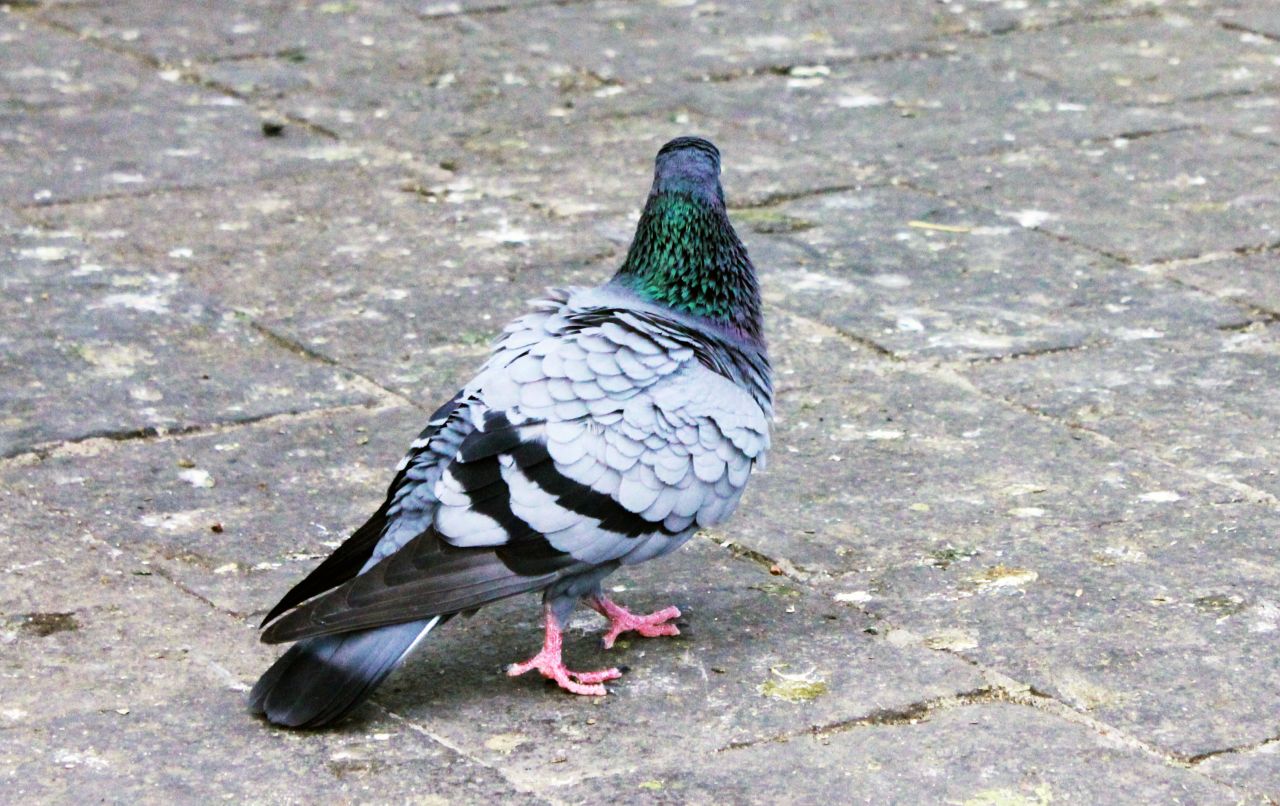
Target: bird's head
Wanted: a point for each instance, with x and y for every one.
(689, 165)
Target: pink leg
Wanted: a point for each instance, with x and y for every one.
(548, 661)
(623, 620)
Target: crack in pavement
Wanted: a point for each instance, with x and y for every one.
(1226, 751)
(1003, 688)
(905, 715)
(453, 10)
(1231, 25)
(297, 347)
(91, 443)
(425, 732)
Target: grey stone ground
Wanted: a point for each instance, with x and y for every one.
(1022, 263)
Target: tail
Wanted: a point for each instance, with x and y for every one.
(319, 680)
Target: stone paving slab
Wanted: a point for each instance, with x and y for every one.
(719, 39)
(241, 30)
(1144, 60)
(880, 465)
(924, 277)
(262, 29)
(230, 31)
(1256, 768)
(404, 282)
(356, 63)
(149, 129)
(179, 751)
(36, 76)
(1248, 279)
(1160, 622)
(327, 63)
(651, 41)
(604, 170)
(98, 348)
(115, 681)
(176, 32)
(1197, 402)
(939, 524)
(975, 754)
(10, 221)
(1253, 116)
(965, 102)
(405, 288)
(90, 629)
(198, 518)
(1165, 196)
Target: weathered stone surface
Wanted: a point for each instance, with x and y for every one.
(174, 32)
(204, 748)
(880, 465)
(605, 169)
(372, 71)
(116, 680)
(1148, 59)
(96, 346)
(10, 221)
(1249, 16)
(1171, 195)
(233, 517)
(543, 64)
(259, 29)
(921, 276)
(653, 42)
(403, 281)
(593, 35)
(1247, 279)
(1158, 618)
(88, 628)
(1257, 768)
(1197, 402)
(965, 102)
(1251, 115)
(746, 628)
(975, 754)
(750, 640)
(1094, 573)
(80, 122)
(641, 43)
(1013, 580)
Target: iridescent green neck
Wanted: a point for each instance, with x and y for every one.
(686, 256)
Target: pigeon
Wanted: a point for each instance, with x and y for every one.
(607, 426)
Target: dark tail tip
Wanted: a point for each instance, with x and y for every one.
(320, 680)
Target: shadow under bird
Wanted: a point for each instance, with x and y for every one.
(607, 426)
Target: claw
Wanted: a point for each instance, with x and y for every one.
(622, 620)
(550, 664)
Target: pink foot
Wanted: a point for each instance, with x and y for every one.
(551, 665)
(623, 620)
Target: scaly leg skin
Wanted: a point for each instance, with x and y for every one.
(549, 662)
(623, 620)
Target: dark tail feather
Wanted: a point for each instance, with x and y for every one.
(320, 679)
